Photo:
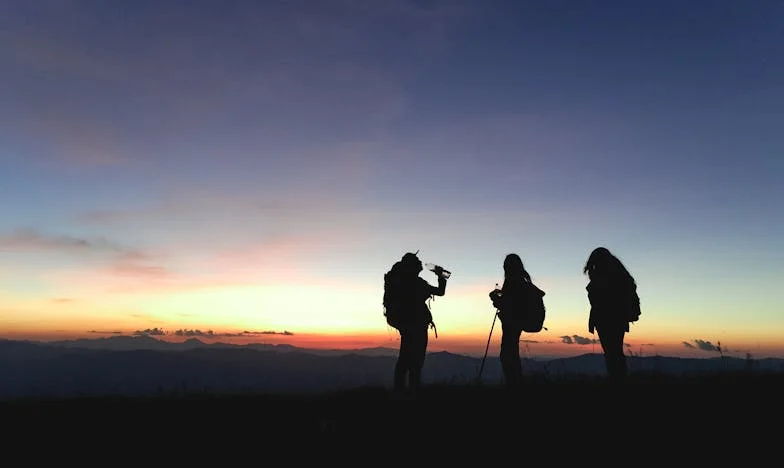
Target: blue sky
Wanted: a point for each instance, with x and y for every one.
(188, 151)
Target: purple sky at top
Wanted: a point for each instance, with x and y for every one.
(671, 98)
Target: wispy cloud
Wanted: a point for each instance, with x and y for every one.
(27, 239)
(184, 332)
(135, 269)
(702, 345)
(104, 332)
(578, 340)
(114, 259)
(150, 332)
(212, 334)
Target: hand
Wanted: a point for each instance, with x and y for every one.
(438, 270)
(495, 298)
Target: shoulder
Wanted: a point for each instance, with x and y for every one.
(512, 287)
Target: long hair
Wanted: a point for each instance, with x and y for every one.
(514, 271)
(602, 263)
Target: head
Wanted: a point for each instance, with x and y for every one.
(411, 262)
(514, 269)
(603, 262)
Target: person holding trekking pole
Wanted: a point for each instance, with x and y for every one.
(511, 302)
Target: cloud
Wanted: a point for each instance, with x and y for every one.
(577, 339)
(150, 332)
(128, 266)
(285, 332)
(703, 345)
(31, 240)
(707, 345)
(114, 260)
(212, 334)
(185, 332)
(102, 332)
(228, 239)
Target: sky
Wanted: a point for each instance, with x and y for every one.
(246, 171)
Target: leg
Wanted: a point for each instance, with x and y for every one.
(403, 363)
(418, 352)
(611, 337)
(510, 354)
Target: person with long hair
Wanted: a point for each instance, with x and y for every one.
(511, 302)
(612, 294)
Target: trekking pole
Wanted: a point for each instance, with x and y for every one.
(479, 377)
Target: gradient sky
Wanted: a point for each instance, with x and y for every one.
(251, 169)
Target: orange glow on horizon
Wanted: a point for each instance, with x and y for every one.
(471, 344)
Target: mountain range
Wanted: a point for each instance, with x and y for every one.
(146, 366)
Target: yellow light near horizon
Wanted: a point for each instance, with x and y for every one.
(304, 308)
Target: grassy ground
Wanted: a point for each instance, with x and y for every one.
(645, 404)
(651, 420)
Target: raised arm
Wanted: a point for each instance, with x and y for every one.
(439, 290)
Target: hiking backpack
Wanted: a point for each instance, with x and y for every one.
(634, 306)
(402, 303)
(533, 319)
(393, 301)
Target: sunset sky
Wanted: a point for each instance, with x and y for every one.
(253, 168)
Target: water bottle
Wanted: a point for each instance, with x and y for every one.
(444, 273)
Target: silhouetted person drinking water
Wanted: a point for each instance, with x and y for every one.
(406, 309)
(511, 302)
(612, 293)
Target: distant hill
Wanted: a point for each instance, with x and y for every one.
(139, 366)
(146, 342)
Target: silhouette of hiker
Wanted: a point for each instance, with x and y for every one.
(611, 293)
(414, 319)
(511, 303)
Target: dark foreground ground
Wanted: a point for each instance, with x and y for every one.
(724, 414)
